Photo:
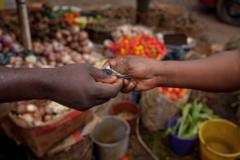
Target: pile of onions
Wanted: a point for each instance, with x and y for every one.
(50, 55)
(38, 113)
(76, 39)
(69, 47)
(8, 43)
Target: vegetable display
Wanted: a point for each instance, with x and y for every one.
(173, 94)
(143, 45)
(37, 113)
(76, 19)
(192, 116)
(131, 31)
(68, 47)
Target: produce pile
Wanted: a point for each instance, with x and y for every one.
(130, 31)
(78, 19)
(136, 41)
(56, 42)
(192, 116)
(69, 47)
(173, 94)
(38, 113)
(76, 39)
(143, 45)
(49, 20)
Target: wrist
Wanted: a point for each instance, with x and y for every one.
(43, 83)
(161, 73)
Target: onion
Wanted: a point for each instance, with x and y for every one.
(86, 50)
(27, 118)
(57, 47)
(66, 59)
(59, 36)
(43, 61)
(16, 47)
(78, 59)
(74, 45)
(21, 109)
(37, 123)
(51, 57)
(69, 39)
(85, 42)
(31, 59)
(12, 60)
(65, 32)
(37, 115)
(7, 39)
(75, 29)
(75, 38)
(38, 47)
(86, 56)
(83, 36)
(30, 65)
(9, 66)
(107, 43)
(47, 117)
(31, 108)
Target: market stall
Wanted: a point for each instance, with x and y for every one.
(163, 123)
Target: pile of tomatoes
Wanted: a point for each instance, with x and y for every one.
(71, 18)
(143, 45)
(174, 94)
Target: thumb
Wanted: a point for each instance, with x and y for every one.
(100, 76)
(119, 64)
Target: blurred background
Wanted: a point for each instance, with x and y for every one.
(54, 33)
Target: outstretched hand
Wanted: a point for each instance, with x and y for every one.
(141, 69)
(83, 86)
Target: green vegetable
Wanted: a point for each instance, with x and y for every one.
(192, 116)
(185, 120)
(98, 18)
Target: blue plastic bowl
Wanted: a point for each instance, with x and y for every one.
(181, 147)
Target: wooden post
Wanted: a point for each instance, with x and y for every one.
(24, 23)
(142, 10)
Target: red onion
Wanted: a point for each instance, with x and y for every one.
(7, 39)
(83, 36)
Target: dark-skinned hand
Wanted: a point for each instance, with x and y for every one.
(141, 69)
(83, 86)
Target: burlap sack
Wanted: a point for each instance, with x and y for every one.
(157, 109)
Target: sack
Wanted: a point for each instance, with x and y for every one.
(157, 109)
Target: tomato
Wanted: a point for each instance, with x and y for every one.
(143, 45)
(173, 93)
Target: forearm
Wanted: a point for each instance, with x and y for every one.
(216, 73)
(23, 84)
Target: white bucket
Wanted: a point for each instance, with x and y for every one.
(111, 137)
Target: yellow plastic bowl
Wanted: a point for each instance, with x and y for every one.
(219, 140)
